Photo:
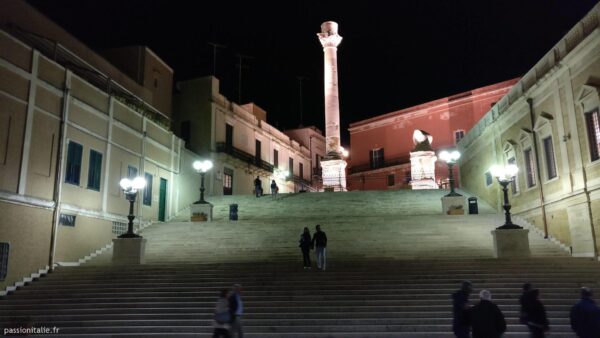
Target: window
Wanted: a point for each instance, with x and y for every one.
(258, 151)
(131, 171)
(592, 120)
(458, 135)
(376, 158)
(67, 220)
(148, 189)
(390, 180)
(301, 169)
(227, 181)
(4, 249)
(488, 179)
(228, 136)
(529, 168)
(549, 155)
(275, 158)
(73, 169)
(291, 167)
(94, 170)
(514, 185)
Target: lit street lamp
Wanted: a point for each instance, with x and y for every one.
(505, 175)
(130, 189)
(202, 167)
(450, 158)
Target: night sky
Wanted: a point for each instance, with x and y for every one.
(394, 54)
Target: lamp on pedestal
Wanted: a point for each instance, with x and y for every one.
(130, 189)
(450, 158)
(202, 167)
(505, 175)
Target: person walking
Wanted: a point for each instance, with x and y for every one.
(460, 310)
(487, 321)
(533, 313)
(257, 186)
(319, 242)
(236, 308)
(274, 189)
(585, 316)
(305, 246)
(222, 316)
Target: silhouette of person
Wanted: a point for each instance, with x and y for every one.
(585, 316)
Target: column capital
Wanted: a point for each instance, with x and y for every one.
(329, 36)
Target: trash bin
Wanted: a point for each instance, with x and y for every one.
(473, 206)
(233, 212)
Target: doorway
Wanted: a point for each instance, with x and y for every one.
(162, 200)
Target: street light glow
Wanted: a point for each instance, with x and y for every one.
(504, 173)
(449, 157)
(202, 166)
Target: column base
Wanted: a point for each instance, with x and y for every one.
(201, 212)
(128, 251)
(334, 174)
(453, 205)
(511, 243)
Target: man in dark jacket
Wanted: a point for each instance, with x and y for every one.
(533, 313)
(585, 316)
(319, 241)
(460, 307)
(487, 321)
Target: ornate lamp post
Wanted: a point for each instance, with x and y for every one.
(130, 189)
(450, 158)
(505, 175)
(202, 167)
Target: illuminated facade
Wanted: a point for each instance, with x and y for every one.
(548, 124)
(380, 146)
(71, 126)
(239, 141)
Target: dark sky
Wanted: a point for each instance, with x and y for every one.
(394, 54)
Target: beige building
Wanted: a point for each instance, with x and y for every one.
(238, 139)
(549, 125)
(71, 126)
(313, 139)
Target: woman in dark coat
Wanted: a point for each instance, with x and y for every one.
(304, 245)
(533, 313)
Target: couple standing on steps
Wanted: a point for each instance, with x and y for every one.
(318, 241)
(228, 314)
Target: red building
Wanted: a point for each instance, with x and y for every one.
(380, 146)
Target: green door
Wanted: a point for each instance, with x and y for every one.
(162, 200)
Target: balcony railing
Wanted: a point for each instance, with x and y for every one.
(222, 147)
(373, 166)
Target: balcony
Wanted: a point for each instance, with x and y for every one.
(383, 164)
(244, 156)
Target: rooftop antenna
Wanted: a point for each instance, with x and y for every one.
(241, 57)
(300, 79)
(215, 47)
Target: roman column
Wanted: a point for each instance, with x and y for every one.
(334, 166)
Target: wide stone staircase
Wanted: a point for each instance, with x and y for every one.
(393, 261)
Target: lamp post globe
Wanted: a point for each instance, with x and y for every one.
(505, 175)
(202, 167)
(450, 157)
(130, 189)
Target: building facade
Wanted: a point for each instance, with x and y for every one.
(313, 139)
(549, 126)
(380, 146)
(239, 141)
(71, 127)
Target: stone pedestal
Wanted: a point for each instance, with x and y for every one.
(201, 212)
(128, 251)
(511, 243)
(454, 205)
(334, 174)
(422, 170)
